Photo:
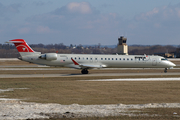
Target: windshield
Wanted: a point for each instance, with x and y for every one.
(163, 59)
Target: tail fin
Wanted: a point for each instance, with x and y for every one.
(22, 47)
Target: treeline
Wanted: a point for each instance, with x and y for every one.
(10, 51)
(149, 50)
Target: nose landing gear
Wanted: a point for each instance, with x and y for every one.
(84, 71)
(165, 70)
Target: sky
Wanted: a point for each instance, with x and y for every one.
(91, 22)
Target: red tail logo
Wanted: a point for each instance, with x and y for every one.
(21, 45)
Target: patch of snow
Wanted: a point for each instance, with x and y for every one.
(5, 99)
(11, 89)
(23, 110)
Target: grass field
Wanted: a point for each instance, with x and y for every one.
(69, 91)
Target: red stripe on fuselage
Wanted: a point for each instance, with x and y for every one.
(74, 62)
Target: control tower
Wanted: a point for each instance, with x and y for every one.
(122, 47)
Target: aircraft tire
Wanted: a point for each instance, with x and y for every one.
(84, 71)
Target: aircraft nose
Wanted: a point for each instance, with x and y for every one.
(172, 64)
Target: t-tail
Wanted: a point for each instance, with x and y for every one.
(23, 48)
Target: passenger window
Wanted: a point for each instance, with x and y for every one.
(119, 58)
(112, 59)
(95, 58)
(79, 58)
(91, 58)
(87, 58)
(105, 58)
(75, 58)
(131, 59)
(101, 58)
(116, 58)
(127, 58)
(108, 58)
(123, 58)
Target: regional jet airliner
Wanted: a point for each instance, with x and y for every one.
(90, 61)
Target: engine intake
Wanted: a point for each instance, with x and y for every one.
(49, 56)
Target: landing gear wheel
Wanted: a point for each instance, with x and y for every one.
(165, 70)
(84, 71)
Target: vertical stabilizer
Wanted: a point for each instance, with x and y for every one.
(22, 47)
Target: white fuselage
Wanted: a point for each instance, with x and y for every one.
(103, 61)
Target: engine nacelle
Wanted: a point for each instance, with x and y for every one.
(49, 56)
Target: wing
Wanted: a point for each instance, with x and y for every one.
(86, 66)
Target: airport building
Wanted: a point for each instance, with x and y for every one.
(166, 55)
(122, 48)
(177, 53)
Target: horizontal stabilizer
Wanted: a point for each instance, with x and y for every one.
(14, 42)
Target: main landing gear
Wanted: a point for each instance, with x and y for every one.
(84, 71)
(165, 70)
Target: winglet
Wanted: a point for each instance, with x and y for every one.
(75, 63)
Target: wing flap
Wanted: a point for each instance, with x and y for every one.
(91, 66)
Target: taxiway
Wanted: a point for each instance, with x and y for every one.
(81, 75)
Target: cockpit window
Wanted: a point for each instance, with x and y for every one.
(163, 59)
